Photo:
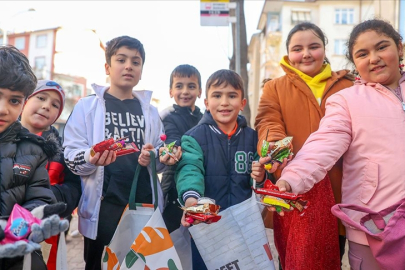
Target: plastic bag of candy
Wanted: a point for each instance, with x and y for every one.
(205, 211)
(119, 146)
(270, 195)
(278, 152)
(19, 225)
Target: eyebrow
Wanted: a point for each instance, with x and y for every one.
(376, 45)
(124, 55)
(231, 92)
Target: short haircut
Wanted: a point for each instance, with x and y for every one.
(185, 71)
(16, 73)
(113, 45)
(225, 77)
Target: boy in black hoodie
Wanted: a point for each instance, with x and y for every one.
(185, 87)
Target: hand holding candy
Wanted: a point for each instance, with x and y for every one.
(169, 153)
(280, 153)
(19, 248)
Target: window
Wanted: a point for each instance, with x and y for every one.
(41, 41)
(298, 16)
(20, 43)
(1, 41)
(344, 16)
(39, 67)
(340, 46)
(273, 22)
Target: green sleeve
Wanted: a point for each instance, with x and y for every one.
(190, 170)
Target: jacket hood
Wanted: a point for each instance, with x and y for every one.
(50, 145)
(208, 120)
(178, 108)
(144, 96)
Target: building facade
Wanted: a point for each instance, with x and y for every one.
(72, 57)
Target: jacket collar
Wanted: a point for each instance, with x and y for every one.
(208, 120)
(144, 96)
(11, 132)
(186, 110)
(373, 84)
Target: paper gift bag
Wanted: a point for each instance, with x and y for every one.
(153, 248)
(133, 220)
(237, 241)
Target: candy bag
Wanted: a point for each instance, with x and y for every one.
(19, 225)
(205, 210)
(119, 146)
(281, 149)
(282, 201)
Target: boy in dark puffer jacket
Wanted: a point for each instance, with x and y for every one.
(24, 179)
(41, 110)
(185, 87)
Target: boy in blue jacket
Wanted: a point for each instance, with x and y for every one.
(185, 87)
(217, 154)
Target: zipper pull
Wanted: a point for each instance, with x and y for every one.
(403, 106)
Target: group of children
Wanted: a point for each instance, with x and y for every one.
(217, 152)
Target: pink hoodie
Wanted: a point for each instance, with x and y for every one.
(365, 124)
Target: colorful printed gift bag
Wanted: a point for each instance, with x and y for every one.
(141, 240)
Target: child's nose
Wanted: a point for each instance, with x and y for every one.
(374, 58)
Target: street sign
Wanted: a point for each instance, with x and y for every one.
(214, 12)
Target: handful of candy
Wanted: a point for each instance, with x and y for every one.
(119, 146)
(19, 225)
(282, 201)
(206, 211)
(280, 150)
(170, 148)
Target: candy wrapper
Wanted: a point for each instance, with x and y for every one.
(119, 146)
(280, 150)
(19, 225)
(282, 201)
(205, 210)
(170, 149)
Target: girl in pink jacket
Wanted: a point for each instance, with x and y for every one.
(365, 124)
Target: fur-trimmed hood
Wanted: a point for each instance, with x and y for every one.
(16, 132)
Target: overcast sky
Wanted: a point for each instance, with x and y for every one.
(170, 31)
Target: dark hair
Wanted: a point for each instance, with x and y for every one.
(16, 73)
(185, 71)
(380, 26)
(307, 26)
(113, 45)
(225, 76)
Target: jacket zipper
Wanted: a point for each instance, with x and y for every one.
(229, 171)
(402, 102)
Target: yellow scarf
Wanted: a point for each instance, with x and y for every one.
(316, 84)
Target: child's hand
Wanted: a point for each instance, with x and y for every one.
(282, 186)
(103, 159)
(189, 202)
(168, 159)
(258, 171)
(144, 157)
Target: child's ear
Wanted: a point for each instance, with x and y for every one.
(243, 104)
(199, 93)
(107, 69)
(171, 93)
(206, 104)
